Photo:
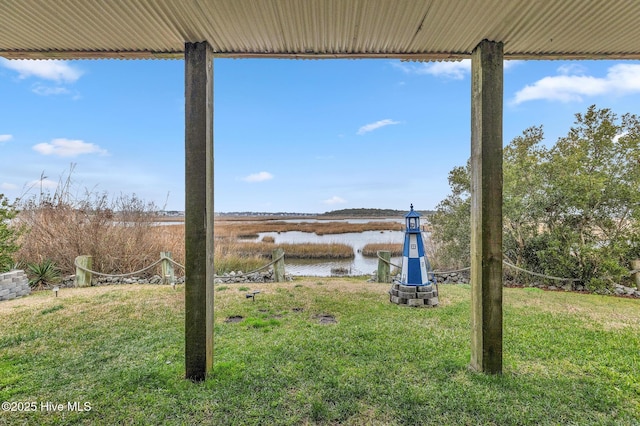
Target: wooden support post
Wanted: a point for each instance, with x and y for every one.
(278, 267)
(486, 206)
(635, 265)
(83, 278)
(198, 210)
(168, 276)
(384, 266)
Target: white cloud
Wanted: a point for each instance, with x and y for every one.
(572, 68)
(373, 126)
(44, 183)
(335, 200)
(8, 186)
(455, 70)
(68, 148)
(41, 89)
(571, 85)
(512, 63)
(403, 66)
(5, 138)
(258, 177)
(59, 71)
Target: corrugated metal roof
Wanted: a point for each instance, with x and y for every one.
(409, 29)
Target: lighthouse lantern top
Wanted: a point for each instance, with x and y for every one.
(412, 220)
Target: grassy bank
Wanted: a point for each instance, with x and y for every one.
(569, 358)
(372, 249)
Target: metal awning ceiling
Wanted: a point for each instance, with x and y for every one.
(406, 29)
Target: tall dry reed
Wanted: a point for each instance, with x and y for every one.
(119, 233)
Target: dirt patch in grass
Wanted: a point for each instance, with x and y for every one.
(326, 319)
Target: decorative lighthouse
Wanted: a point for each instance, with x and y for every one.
(415, 287)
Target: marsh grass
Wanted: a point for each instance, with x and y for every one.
(236, 227)
(122, 235)
(296, 251)
(372, 249)
(568, 358)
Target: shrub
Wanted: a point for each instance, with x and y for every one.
(42, 274)
(9, 234)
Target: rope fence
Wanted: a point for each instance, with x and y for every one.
(536, 274)
(100, 274)
(387, 261)
(278, 257)
(244, 274)
(517, 268)
(163, 258)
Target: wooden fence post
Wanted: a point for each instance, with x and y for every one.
(83, 278)
(278, 267)
(168, 276)
(384, 266)
(635, 265)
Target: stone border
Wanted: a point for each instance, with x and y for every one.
(14, 284)
(413, 295)
(228, 278)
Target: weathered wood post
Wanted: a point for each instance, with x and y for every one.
(635, 265)
(486, 206)
(278, 267)
(384, 266)
(199, 210)
(83, 278)
(168, 276)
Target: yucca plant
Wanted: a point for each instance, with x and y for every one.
(42, 274)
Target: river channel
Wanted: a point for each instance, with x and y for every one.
(359, 265)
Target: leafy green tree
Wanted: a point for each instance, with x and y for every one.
(523, 197)
(592, 198)
(571, 210)
(451, 222)
(8, 234)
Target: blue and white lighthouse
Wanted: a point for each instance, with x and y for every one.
(415, 287)
(415, 265)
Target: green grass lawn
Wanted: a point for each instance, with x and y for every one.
(568, 358)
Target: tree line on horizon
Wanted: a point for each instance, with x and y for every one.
(369, 212)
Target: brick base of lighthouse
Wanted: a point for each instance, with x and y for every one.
(414, 295)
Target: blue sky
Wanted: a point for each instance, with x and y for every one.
(289, 135)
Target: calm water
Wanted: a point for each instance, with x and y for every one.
(359, 265)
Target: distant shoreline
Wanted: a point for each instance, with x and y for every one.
(373, 214)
